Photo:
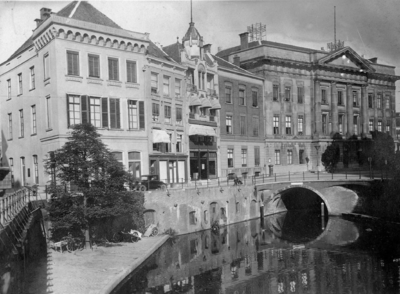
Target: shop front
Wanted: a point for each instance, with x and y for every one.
(170, 168)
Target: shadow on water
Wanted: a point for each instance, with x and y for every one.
(293, 252)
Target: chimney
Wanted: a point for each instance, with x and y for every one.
(236, 60)
(45, 13)
(207, 48)
(244, 40)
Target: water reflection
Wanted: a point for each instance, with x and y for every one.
(294, 252)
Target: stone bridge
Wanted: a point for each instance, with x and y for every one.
(338, 196)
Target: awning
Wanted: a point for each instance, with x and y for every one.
(205, 102)
(215, 104)
(160, 136)
(194, 101)
(201, 130)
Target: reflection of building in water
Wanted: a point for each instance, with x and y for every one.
(236, 260)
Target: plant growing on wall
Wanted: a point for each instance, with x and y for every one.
(96, 200)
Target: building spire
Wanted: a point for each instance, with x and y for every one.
(191, 12)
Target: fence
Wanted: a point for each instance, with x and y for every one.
(12, 204)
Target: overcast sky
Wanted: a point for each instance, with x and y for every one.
(370, 27)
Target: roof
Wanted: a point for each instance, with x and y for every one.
(222, 63)
(156, 51)
(192, 33)
(174, 51)
(82, 10)
(28, 43)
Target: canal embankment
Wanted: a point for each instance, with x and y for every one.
(97, 270)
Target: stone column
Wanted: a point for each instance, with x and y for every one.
(334, 108)
(349, 118)
(317, 108)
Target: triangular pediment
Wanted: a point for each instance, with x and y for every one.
(346, 58)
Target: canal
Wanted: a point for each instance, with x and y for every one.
(293, 252)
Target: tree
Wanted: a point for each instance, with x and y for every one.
(101, 203)
(331, 157)
(383, 149)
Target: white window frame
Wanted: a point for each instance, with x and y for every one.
(34, 120)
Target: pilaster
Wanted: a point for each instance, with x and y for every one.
(349, 103)
(317, 109)
(334, 108)
(364, 110)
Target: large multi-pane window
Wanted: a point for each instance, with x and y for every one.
(324, 123)
(355, 124)
(167, 113)
(254, 98)
(95, 111)
(340, 121)
(379, 101)
(230, 157)
(242, 124)
(46, 66)
(94, 66)
(355, 98)
(166, 86)
(48, 113)
(35, 169)
(244, 157)
(34, 122)
(178, 115)
(379, 126)
(256, 126)
(242, 99)
(32, 78)
(72, 63)
(370, 100)
(229, 124)
(21, 123)
(20, 84)
(154, 83)
(177, 88)
(275, 92)
(131, 71)
(113, 69)
(156, 111)
(387, 100)
(290, 156)
(134, 164)
(74, 110)
(324, 99)
(300, 122)
(118, 156)
(276, 124)
(10, 132)
(9, 89)
(371, 125)
(136, 117)
(288, 125)
(228, 94)
(256, 156)
(340, 97)
(288, 93)
(277, 157)
(300, 95)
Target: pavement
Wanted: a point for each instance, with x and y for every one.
(99, 270)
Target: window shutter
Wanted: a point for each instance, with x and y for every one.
(141, 115)
(85, 109)
(112, 113)
(104, 110)
(68, 111)
(117, 113)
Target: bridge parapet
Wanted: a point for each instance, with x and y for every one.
(12, 204)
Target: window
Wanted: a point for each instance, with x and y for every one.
(379, 101)
(21, 123)
(256, 126)
(355, 123)
(242, 125)
(134, 164)
(95, 112)
(193, 221)
(115, 113)
(230, 157)
(324, 123)
(288, 125)
(242, 100)
(10, 133)
(229, 124)
(387, 102)
(370, 100)
(341, 117)
(166, 86)
(32, 78)
(300, 95)
(379, 126)
(154, 83)
(300, 125)
(340, 97)
(355, 98)
(46, 66)
(72, 63)
(290, 156)
(301, 156)
(135, 115)
(254, 98)
(179, 143)
(371, 125)
(179, 115)
(244, 157)
(276, 124)
(256, 156)
(35, 169)
(113, 70)
(277, 157)
(117, 156)
(20, 84)
(94, 66)
(177, 88)
(131, 71)
(275, 92)
(228, 94)
(167, 113)
(34, 123)
(9, 89)
(156, 111)
(48, 113)
(287, 93)
(324, 99)
(74, 111)
(388, 123)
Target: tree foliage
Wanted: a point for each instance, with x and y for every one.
(330, 157)
(101, 203)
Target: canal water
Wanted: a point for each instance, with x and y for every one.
(293, 252)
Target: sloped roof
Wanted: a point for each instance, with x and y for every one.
(222, 63)
(192, 33)
(86, 12)
(174, 51)
(28, 43)
(155, 51)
